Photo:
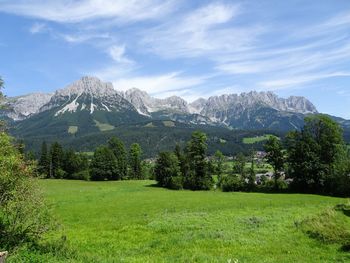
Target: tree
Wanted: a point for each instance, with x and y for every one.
(119, 152)
(135, 153)
(239, 165)
(251, 176)
(74, 163)
(24, 216)
(198, 177)
(56, 154)
(316, 156)
(44, 161)
(275, 156)
(183, 161)
(1, 100)
(167, 171)
(104, 165)
(219, 159)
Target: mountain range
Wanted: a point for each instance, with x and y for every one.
(91, 106)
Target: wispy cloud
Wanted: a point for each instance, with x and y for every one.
(117, 52)
(70, 11)
(203, 32)
(38, 28)
(161, 85)
(301, 79)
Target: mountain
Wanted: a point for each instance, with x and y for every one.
(147, 105)
(87, 112)
(20, 108)
(87, 105)
(255, 110)
(92, 106)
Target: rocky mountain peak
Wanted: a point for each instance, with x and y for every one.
(19, 108)
(89, 85)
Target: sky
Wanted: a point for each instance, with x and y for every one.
(192, 49)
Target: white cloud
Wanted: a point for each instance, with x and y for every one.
(38, 28)
(293, 81)
(118, 54)
(204, 32)
(71, 11)
(82, 37)
(161, 85)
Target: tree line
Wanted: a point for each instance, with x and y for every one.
(312, 160)
(109, 162)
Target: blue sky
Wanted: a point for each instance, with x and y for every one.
(178, 47)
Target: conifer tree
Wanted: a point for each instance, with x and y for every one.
(56, 154)
(198, 177)
(135, 161)
(44, 161)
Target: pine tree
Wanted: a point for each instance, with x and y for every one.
(44, 161)
(198, 177)
(56, 153)
(135, 161)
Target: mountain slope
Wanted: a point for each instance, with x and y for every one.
(87, 105)
(90, 105)
(22, 107)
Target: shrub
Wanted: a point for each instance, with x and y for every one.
(176, 183)
(24, 217)
(83, 175)
(232, 183)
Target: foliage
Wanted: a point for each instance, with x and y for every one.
(56, 154)
(75, 164)
(104, 165)
(232, 183)
(275, 156)
(44, 161)
(219, 160)
(118, 148)
(167, 171)
(317, 157)
(24, 217)
(198, 177)
(239, 165)
(135, 153)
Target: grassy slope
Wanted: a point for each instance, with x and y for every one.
(133, 222)
(252, 140)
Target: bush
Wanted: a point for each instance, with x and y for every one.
(83, 175)
(24, 217)
(176, 183)
(232, 183)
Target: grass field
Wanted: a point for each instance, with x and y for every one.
(252, 140)
(132, 221)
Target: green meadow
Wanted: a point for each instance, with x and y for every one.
(134, 221)
(252, 140)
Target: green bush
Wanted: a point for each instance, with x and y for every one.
(24, 217)
(83, 175)
(176, 183)
(232, 183)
